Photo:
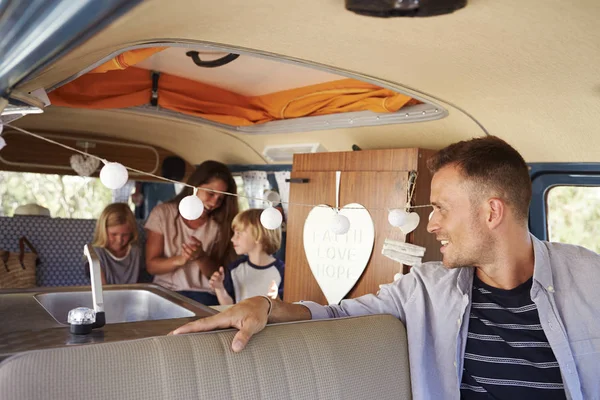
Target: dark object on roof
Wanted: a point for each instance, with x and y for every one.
(173, 167)
(404, 8)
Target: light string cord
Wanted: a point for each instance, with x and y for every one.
(201, 188)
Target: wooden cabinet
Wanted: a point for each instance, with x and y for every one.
(377, 179)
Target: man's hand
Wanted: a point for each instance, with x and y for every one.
(216, 280)
(249, 316)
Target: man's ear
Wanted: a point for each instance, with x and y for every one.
(496, 212)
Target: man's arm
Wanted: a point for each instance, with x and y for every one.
(250, 317)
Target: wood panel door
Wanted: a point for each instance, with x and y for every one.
(378, 191)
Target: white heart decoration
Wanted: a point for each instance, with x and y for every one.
(84, 166)
(337, 261)
(411, 223)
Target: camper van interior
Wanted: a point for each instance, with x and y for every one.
(323, 114)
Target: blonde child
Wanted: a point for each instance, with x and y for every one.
(257, 272)
(115, 241)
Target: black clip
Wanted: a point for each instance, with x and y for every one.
(154, 96)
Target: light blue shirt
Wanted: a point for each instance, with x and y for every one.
(435, 304)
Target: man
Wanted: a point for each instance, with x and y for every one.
(503, 316)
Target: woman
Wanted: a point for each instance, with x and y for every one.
(183, 254)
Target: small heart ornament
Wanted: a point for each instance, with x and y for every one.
(338, 261)
(84, 165)
(411, 223)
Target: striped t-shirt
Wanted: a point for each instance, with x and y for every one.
(507, 354)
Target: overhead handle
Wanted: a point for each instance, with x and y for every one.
(195, 56)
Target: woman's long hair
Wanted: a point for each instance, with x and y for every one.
(113, 215)
(222, 251)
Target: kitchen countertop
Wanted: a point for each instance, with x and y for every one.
(25, 325)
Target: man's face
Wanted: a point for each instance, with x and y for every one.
(457, 222)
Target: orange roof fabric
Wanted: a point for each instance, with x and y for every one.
(132, 87)
(126, 59)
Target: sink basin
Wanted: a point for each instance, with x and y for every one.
(129, 305)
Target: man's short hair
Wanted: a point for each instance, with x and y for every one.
(492, 164)
(269, 239)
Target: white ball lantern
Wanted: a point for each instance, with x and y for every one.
(191, 207)
(271, 218)
(340, 224)
(113, 175)
(272, 197)
(397, 217)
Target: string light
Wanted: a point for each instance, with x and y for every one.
(114, 176)
(2, 141)
(272, 197)
(191, 207)
(339, 224)
(271, 218)
(397, 217)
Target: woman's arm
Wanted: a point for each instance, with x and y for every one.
(207, 265)
(156, 262)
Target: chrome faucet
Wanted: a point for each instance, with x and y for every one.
(81, 319)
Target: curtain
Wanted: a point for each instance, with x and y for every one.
(132, 87)
(255, 185)
(121, 195)
(284, 189)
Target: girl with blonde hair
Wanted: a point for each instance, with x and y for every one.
(115, 242)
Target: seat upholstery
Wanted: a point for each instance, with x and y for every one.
(59, 242)
(350, 358)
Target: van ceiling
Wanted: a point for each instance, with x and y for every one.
(247, 75)
(526, 70)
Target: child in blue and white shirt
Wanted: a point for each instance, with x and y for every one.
(257, 272)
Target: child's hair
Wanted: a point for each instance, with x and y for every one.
(113, 215)
(269, 239)
(206, 172)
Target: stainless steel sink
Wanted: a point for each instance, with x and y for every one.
(128, 305)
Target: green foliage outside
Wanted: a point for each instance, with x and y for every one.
(65, 196)
(574, 216)
(243, 203)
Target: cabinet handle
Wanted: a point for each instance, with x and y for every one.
(297, 180)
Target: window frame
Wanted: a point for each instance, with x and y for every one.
(545, 176)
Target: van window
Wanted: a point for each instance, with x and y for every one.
(243, 203)
(64, 195)
(574, 215)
